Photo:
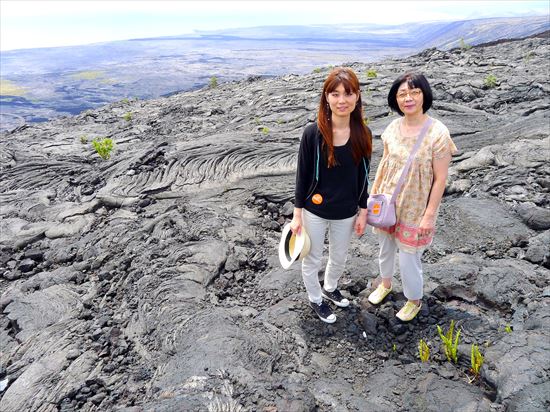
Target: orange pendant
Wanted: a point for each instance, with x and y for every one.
(317, 199)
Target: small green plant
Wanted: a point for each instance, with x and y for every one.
(125, 101)
(451, 344)
(103, 147)
(257, 120)
(490, 81)
(508, 329)
(394, 347)
(476, 360)
(366, 121)
(369, 91)
(83, 139)
(423, 351)
(213, 82)
(463, 45)
(265, 130)
(371, 74)
(528, 56)
(127, 116)
(317, 70)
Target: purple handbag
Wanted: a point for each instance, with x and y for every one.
(381, 207)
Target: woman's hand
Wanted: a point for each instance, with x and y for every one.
(296, 223)
(360, 222)
(440, 168)
(427, 225)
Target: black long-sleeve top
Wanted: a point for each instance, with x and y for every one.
(343, 187)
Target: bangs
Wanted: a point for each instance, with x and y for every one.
(413, 82)
(342, 78)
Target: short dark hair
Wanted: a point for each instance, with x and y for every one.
(414, 81)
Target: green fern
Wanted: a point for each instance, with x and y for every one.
(451, 344)
(103, 147)
(476, 359)
(464, 45)
(371, 73)
(423, 351)
(490, 81)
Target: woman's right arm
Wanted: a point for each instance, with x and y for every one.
(304, 177)
(296, 223)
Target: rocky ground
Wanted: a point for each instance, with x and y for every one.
(150, 281)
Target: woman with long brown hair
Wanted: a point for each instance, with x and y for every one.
(332, 186)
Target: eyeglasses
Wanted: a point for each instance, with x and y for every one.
(413, 93)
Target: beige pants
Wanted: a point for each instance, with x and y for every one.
(339, 235)
(410, 266)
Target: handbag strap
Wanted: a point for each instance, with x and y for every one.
(405, 171)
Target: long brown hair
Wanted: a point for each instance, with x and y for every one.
(360, 135)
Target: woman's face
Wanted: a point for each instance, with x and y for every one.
(340, 102)
(409, 100)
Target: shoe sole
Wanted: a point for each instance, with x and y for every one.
(326, 320)
(340, 305)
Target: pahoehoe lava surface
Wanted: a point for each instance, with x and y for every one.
(151, 281)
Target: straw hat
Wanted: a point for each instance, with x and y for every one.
(292, 247)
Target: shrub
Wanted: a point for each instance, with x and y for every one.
(451, 345)
(213, 82)
(127, 116)
(366, 121)
(476, 360)
(317, 70)
(83, 139)
(490, 81)
(508, 329)
(125, 101)
(423, 351)
(371, 74)
(103, 147)
(464, 45)
(265, 130)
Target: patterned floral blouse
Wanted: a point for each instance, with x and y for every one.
(413, 199)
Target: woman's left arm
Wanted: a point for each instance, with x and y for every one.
(440, 170)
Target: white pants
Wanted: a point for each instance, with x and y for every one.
(409, 266)
(340, 232)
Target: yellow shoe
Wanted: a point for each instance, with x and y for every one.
(409, 311)
(379, 294)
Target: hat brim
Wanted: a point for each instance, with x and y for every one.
(293, 247)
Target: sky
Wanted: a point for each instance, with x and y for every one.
(31, 24)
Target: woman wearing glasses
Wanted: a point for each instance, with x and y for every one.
(418, 201)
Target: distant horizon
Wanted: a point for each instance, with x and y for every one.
(45, 24)
(200, 33)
